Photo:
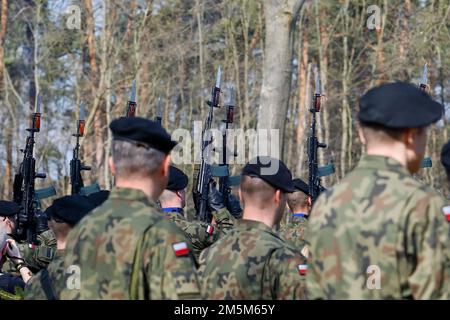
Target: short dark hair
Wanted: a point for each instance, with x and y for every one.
(256, 189)
(378, 132)
(297, 199)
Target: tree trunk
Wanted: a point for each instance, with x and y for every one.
(302, 108)
(8, 129)
(280, 19)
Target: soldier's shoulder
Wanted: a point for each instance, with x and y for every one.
(161, 224)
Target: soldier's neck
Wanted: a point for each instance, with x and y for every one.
(175, 203)
(265, 216)
(394, 151)
(304, 210)
(61, 244)
(145, 185)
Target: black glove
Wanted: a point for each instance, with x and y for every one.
(234, 207)
(215, 198)
(41, 221)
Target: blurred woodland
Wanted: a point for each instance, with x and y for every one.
(267, 49)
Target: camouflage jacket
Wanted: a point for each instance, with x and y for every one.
(34, 288)
(294, 231)
(36, 257)
(252, 262)
(378, 234)
(201, 234)
(126, 249)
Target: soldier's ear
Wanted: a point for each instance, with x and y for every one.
(362, 138)
(278, 196)
(241, 200)
(166, 165)
(112, 167)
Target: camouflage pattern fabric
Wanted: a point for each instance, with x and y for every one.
(126, 249)
(39, 257)
(379, 221)
(34, 289)
(36, 257)
(201, 234)
(294, 231)
(252, 262)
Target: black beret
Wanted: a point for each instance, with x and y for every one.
(272, 171)
(399, 105)
(445, 156)
(142, 132)
(70, 209)
(8, 208)
(97, 198)
(178, 180)
(301, 185)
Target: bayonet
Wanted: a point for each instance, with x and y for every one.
(131, 104)
(424, 84)
(159, 111)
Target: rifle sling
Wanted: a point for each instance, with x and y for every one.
(47, 286)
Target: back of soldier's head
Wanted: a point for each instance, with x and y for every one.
(387, 111)
(261, 178)
(297, 200)
(168, 196)
(66, 212)
(139, 148)
(256, 192)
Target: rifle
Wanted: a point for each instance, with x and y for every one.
(131, 104)
(76, 180)
(224, 183)
(29, 218)
(315, 188)
(423, 85)
(205, 174)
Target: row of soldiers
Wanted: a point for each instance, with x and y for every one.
(377, 234)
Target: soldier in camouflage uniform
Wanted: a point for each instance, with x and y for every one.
(379, 233)
(35, 257)
(200, 234)
(11, 283)
(299, 203)
(63, 215)
(252, 261)
(127, 249)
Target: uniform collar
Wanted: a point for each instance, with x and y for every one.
(131, 195)
(173, 209)
(246, 225)
(381, 163)
(300, 215)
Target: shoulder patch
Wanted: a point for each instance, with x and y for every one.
(302, 268)
(446, 211)
(180, 249)
(209, 229)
